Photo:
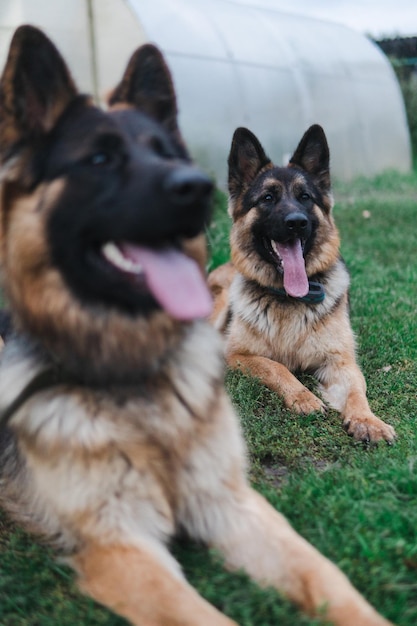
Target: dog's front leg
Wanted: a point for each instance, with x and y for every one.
(343, 386)
(144, 585)
(278, 378)
(255, 537)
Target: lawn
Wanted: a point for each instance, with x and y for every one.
(357, 504)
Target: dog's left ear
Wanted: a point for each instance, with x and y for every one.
(147, 84)
(312, 155)
(35, 89)
(246, 159)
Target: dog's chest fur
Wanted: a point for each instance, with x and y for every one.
(293, 333)
(117, 460)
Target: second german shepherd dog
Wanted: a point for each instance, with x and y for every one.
(283, 301)
(116, 431)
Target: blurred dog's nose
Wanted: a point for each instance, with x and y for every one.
(188, 186)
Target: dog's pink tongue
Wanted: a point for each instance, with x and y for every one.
(175, 280)
(295, 277)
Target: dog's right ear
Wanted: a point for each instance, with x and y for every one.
(147, 85)
(246, 159)
(312, 155)
(35, 88)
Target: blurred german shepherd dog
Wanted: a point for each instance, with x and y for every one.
(283, 300)
(116, 430)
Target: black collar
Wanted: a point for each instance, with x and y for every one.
(49, 377)
(315, 295)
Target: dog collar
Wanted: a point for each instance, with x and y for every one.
(315, 295)
(45, 379)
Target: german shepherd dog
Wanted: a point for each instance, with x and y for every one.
(283, 300)
(116, 431)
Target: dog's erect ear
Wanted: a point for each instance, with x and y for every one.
(246, 159)
(35, 88)
(312, 155)
(147, 85)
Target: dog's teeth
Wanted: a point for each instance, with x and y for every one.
(275, 248)
(112, 253)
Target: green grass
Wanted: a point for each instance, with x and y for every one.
(218, 234)
(357, 504)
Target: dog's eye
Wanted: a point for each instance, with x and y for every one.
(160, 148)
(100, 158)
(305, 196)
(268, 198)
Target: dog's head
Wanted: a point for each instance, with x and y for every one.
(102, 213)
(283, 230)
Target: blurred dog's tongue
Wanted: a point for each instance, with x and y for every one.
(295, 277)
(174, 279)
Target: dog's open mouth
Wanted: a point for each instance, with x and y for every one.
(174, 279)
(289, 260)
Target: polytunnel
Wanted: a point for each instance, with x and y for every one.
(238, 63)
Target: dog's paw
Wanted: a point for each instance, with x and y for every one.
(304, 402)
(369, 428)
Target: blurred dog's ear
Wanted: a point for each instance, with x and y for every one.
(35, 88)
(147, 85)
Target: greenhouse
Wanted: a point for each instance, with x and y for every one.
(237, 63)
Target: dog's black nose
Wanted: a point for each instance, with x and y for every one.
(296, 222)
(188, 186)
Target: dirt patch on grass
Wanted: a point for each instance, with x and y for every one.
(276, 473)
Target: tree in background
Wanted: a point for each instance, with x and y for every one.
(402, 52)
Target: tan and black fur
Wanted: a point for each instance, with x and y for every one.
(116, 431)
(270, 333)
